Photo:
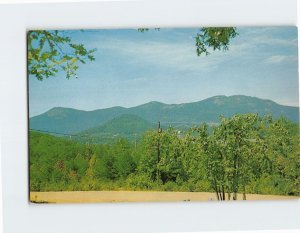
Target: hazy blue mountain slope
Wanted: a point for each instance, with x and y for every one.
(65, 120)
(209, 110)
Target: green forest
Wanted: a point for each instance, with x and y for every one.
(245, 153)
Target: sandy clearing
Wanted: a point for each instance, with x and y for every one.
(135, 196)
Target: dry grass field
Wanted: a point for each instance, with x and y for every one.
(134, 196)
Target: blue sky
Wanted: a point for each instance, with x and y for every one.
(133, 68)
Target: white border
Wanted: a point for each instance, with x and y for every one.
(20, 216)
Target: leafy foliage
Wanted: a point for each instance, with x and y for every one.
(50, 51)
(217, 38)
(244, 154)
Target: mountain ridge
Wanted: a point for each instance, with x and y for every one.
(69, 120)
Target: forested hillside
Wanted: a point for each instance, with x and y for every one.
(126, 126)
(244, 153)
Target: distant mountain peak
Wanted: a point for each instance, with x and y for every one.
(234, 99)
(150, 105)
(68, 120)
(156, 102)
(59, 112)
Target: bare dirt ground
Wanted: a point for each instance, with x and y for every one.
(135, 196)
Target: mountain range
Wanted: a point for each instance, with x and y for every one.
(120, 120)
(124, 126)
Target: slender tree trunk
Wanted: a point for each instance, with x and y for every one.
(222, 189)
(216, 189)
(158, 153)
(228, 189)
(235, 178)
(218, 198)
(220, 193)
(223, 192)
(244, 192)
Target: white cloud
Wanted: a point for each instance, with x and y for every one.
(280, 59)
(181, 56)
(265, 36)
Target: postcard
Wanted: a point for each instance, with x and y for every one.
(163, 114)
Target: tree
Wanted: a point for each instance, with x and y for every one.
(170, 160)
(124, 163)
(217, 38)
(50, 51)
(149, 160)
(238, 148)
(242, 154)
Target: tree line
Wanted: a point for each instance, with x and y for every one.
(243, 154)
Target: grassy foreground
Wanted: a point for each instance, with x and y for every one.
(135, 196)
